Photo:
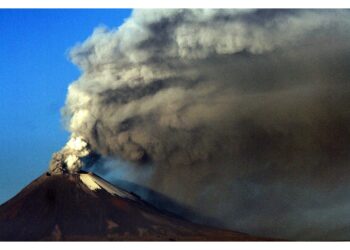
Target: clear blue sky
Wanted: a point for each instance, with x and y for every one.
(34, 75)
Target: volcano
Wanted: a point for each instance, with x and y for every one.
(85, 207)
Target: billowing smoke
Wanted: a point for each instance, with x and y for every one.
(75, 155)
(243, 115)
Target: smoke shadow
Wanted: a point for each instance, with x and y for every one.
(166, 204)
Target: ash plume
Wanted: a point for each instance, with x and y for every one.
(75, 155)
(229, 107)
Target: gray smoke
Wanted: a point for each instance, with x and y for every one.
(242, 114)
(75, 155)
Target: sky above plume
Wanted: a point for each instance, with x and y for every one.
(34, 75)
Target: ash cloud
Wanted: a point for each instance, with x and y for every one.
(228, 106)
(75, 155)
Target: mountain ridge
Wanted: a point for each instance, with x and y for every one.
(84, 207)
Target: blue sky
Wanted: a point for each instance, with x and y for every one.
(34, 75)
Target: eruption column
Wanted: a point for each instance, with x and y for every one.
(72, 157)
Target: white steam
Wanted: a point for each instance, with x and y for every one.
(72, 157)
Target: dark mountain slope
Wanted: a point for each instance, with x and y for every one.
(85, 207)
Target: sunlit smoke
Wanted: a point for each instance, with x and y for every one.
(232, 109)
(72, 157)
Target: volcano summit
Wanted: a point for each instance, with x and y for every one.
(83, 206)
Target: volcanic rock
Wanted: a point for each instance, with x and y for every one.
(84, 207)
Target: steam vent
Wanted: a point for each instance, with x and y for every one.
(72, 157)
